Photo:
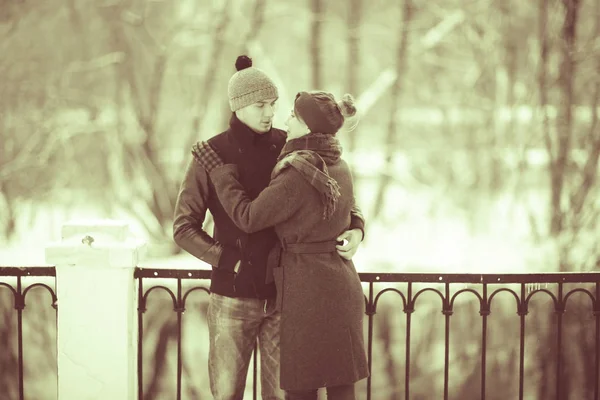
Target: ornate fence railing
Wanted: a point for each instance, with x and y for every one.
(20, 281)
(572, 299)
(451, 289)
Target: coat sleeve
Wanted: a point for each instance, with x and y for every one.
(190, 212)
(277, 203)
(357, 220)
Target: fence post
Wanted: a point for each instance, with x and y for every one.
(97, 302)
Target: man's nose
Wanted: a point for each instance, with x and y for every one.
(269, 110)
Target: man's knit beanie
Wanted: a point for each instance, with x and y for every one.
(249, 85)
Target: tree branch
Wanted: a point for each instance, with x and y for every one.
(205, 93)
(564, 123)
(315, 42)
(391, 141)
(542, 79)
(591, 166)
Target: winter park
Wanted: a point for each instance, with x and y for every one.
(140, 140)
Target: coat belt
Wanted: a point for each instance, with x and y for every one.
(311, 248)
(297, 248)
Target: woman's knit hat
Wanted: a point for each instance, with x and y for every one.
(321, 112)
(249, 85)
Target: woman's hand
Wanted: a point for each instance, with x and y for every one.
(351, 239)
(206, 156)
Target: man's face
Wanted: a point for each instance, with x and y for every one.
(258, 116)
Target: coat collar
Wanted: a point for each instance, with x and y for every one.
(246, 137)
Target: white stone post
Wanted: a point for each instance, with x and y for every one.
(97, 305)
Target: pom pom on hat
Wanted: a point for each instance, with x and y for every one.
(243, 62)
(347, 105)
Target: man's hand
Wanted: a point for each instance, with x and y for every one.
(351, 239)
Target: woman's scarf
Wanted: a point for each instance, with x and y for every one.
(310, 155)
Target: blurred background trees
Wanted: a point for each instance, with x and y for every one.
(478, 131)
(469, 103)
(472, 101)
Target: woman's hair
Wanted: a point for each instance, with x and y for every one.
(333, 112)
(347, 105)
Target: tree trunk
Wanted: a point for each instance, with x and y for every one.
(543, 94)
(8, 221)
(506, 76)
(392, 134)
(541, 359)
(145, 96)
(256, 22)
(559, 164)
(590, 170)
(8, 359)
(208, 84)
(79, 29)
(167, 333)
(315, 42)
(564, 122)
(353, 62)
(385, 338)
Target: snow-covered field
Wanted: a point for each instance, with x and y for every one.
(418, 230)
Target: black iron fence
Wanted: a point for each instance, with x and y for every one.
(557, 288)
(14, 282)
(565, 293)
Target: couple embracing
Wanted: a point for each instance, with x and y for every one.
(286, 228)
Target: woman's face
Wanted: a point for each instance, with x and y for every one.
(296, 127)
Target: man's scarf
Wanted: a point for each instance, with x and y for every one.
(310, 155)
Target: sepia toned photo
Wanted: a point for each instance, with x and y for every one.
(299, 200)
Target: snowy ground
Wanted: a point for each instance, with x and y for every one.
(418, 232)
(411, 235)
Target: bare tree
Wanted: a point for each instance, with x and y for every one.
(569, 187)
(542, 76)
(8, 359)
(565, 114)
(143, 183)
(589, 172)
(205, 94)
(316, 42)
(354, 58)
(506, 79)
(249, 43)
(392, 132)
(27, 162)
(139, 88)
(542, 361)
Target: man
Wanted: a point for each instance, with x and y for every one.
(241, 306)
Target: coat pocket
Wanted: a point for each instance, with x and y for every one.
(278, 277)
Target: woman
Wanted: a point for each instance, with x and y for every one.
(308, 203)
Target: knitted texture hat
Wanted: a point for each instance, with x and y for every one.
(321, 112)
(307, 108)
(249, 85)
